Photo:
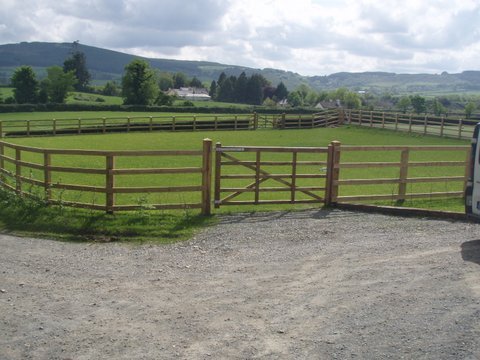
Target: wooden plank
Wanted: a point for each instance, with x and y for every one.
(402, 187)
(397, 197)
(47, 176)
(140, 171)
(158, 207)
(257, 177)
(366, 165)
(74, 187)
(77, 170)
(271, 202)
(285, 149)
(273, 189)
(206, 177)
(274, 176)
(18, 171)
(294, 177)
(156, 189)
(400, 148)
(109, 184)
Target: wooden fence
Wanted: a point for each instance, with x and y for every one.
(253, 121)
(17, 161)
(244, 175)
(413, 123)
(397, 186)
(12, 128)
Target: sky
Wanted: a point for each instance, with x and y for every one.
(309, 37)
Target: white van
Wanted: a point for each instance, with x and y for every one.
(472, 192)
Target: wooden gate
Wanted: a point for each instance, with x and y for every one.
(299, 175)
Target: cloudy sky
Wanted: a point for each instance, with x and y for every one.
(311, 37)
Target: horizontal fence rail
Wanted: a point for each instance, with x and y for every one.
(396, 187)
(25, 170)
(426, 124)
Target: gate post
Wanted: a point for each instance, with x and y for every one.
(333, 173)
(206, 177)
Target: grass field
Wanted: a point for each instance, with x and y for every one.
(31, 216)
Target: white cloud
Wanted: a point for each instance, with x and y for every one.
(311, 37)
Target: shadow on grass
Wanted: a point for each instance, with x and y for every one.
(34, 218)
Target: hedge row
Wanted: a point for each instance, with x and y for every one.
(11, 108)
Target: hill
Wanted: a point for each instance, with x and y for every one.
(107, 65)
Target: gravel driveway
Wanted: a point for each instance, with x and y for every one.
(301, 285)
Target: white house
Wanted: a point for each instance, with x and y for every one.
(188, 93)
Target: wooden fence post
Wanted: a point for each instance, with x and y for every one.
(425, 125)
(396, 121)
(104, 125)
(173, 123)
(28, 127)
(410, 123)
(383, 120)
(54, 125)
(333, 173)
(47, 176)
(460, 125)
(150, 124)
(207, 177)
(79, 125)
(360, 118)
(1, 129)
(442, 124)
(110, 184)
(255, 120)
(218, 173)
(402, 187)
(283, 120)
(18, 171)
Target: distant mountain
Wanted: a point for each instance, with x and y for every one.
(109, 65)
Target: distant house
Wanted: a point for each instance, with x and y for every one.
(188, 93)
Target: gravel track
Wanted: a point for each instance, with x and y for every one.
(299, 285)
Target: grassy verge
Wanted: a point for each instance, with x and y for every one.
(31, 217)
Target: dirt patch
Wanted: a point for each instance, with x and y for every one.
(303, 285)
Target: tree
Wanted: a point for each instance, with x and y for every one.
(139, 84)
(59, 84)
(25, 85)
(241, 88)
(404, 103)
(469, 109)
(165, 81)
(213, 90)
(78, 64)
(255, 85)
(281, 91)
(418, 104)
(226, 91)
(179, 80)
(295, 99)
(351, 100)
(195, 83)
(437, 107)
(164, 99)
(110, 89)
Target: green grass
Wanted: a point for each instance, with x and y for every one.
(6, 92)
(86, 98)
(164, 226)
